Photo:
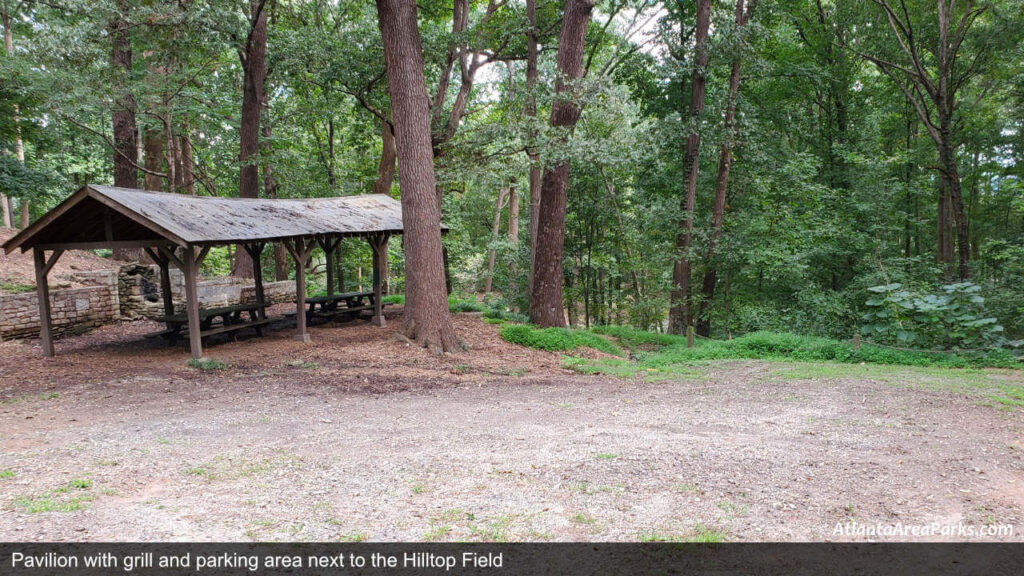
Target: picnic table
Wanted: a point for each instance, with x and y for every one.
(330, 305)
(230, 320)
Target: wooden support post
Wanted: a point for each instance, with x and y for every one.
(255, 251)
(330, 246)
(165, 280)
(195, 340)
(43, 266)
(379, 244)
(300, 250)
(165, 287)
(329, 258)
(689, 336)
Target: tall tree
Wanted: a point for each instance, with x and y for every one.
(724, 164)
(386, 166)
(19, 145)
(253, 55)
(546, 308)
(427, 320)
(930, 73)
(530, 109)
(679, 313)
(125, 130)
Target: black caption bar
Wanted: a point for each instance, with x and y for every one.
(301, 559)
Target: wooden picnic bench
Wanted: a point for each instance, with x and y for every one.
(330, 305)
(230, 317)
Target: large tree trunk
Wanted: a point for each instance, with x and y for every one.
(951, 174)
(386, 168)
(532, 51)
(722, 182)
(153, 144)
(546, 307)
(679, 312)
(427, 320)
(254, 69)
(185, 169)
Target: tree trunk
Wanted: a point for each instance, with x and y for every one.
(951, 174)
(270, 191)
(188, 179)
(513, 229)
(427, 320)
(530, 109)
(546, 307)
(19, 145)
(126, 175)
(495, 230)
(254, 69)
(722, 182)
(153, 144)
(679, 312)
(386, 168)
(8, 206)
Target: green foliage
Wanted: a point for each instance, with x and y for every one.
(556, 339)
(460, 305)
(393, 299)
(14, 288)
(953, 318)
(669, 355)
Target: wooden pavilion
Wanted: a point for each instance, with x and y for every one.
(179, 230)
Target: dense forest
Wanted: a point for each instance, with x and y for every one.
(819, 167)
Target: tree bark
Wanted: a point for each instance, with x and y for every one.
(546, 308)
(254, 73)
(532, 51)
(722, 181)
(125, 130)
(386, 168)
(679, 316)
(427, 320)
(495, 229)
(153, 144)
(513, 227)
(188, 179)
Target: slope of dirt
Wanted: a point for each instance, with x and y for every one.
(358, 436)
(17, 268)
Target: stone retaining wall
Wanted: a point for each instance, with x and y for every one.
(131, 292)
(73, 311)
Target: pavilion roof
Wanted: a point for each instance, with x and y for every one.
(98, 216)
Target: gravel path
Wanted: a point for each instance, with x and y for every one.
(360, 437)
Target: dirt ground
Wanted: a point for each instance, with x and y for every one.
(17, 268)
(358, 436)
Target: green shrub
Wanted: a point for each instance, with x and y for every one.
(954, 317)
(633, 338)
(770, 345)
(393, 299)
(505, 315)
(15, 288)
(556, 339)
(459, 305)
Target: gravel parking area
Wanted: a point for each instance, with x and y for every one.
(359, 436)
